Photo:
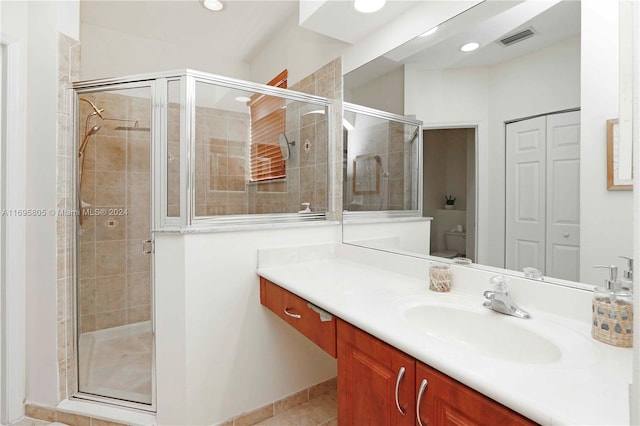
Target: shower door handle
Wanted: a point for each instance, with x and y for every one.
(147, 246)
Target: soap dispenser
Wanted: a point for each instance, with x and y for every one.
(612, 311)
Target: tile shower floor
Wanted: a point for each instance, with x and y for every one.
(116, 362)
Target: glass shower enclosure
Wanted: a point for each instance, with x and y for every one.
(175, 151)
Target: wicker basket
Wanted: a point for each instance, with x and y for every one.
(612, 322)
(439, 278)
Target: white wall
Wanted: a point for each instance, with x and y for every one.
(219, 352)
(42, 102)
(299, 50)
(108, 53)
(606, 216)
(35, 25)
(398, 236)
(487, 97)
(14, 18)
(385, 93)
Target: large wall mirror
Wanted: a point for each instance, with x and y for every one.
(500, 163)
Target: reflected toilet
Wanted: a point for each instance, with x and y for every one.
(455, 244)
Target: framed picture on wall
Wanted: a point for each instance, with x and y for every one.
(366, 175)
(619, 159)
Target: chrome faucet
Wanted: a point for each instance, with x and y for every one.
(500, 300)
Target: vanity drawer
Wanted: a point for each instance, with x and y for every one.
(298, 314)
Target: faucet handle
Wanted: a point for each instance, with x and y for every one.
(499, 283)
(628, 273)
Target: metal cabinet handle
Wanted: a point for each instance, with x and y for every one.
(423, 386)
(400, 376)
(296, 316)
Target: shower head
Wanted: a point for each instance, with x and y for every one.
(83, 145)
(96, 111)
(385, 173)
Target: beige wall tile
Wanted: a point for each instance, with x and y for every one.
(110, 153)
(110, 258)
(73, 419)
(137, 261)
(138, 189)
(110, 293)
(138, 222)
(98, 422)
(109, 228)
(111, 319)
(138, 314)
(254, 416)
(327, 386)
(290, 401)
(87, 260)
(39, 412)
(110, 188)
(87, 323)
(138, 289)
(87, 297)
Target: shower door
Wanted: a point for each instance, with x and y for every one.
(115, 344)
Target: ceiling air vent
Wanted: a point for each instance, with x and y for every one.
(519, 36)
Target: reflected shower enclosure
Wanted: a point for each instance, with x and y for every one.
(381, 161)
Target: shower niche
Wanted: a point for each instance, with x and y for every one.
(176, 152)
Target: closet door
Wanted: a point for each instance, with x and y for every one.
(525, 214)
(563, 196)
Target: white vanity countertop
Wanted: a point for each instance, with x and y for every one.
(588, 386)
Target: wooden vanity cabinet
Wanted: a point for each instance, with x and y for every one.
(446, 401)
(368, 371)
(379, 384)
(299, 314)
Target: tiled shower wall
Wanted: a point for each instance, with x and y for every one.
(222, 157)
(68, 71)
(115, 283)
(390, 141)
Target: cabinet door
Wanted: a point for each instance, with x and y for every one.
(448, 402)
(375, 381)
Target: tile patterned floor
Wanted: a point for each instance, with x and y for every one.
(319, 411)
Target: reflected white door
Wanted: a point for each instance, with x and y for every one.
(542, 195)
(563, 196)
(525, 194)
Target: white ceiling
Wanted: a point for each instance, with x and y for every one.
(235, 32)
(340, 20)
(552, 21)
(240, 29)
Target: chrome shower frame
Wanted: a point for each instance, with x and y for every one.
(187, 221)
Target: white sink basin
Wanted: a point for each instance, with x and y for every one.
(474, 328)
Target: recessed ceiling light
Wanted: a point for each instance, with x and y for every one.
(469, 47)
(368, 6)
(243, 99)
(428, 33)
(215, 5)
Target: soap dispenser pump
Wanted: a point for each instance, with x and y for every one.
(612, 311)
